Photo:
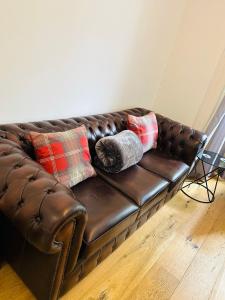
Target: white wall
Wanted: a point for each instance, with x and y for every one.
(194, 78)
(76, 57)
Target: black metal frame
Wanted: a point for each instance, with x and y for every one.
(203, 182)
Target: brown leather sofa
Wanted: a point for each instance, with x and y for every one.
(53, 236)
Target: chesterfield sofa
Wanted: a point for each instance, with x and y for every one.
(53, 236)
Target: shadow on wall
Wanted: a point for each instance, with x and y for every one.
(155, 34)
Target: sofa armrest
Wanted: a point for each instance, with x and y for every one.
(179, 141)
(35, 202)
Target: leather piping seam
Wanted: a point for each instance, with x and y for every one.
(62, 243)
(68, 252)
(56, 269)
(166, 179)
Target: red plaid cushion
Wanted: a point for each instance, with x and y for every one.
(146, 128)
(64, 154)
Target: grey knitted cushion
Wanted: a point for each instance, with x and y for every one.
(118, 152)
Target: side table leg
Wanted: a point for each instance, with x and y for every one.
(206, 183)
(217, 178)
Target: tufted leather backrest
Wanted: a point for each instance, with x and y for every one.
(175, 139)
(98, 126)
(179, 141)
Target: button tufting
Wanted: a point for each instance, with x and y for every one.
(20, 203)
(5, 188)
(32, 178)
(17, 166)
(5, 153)
(182, 143)
(50, 191)
(38, 219)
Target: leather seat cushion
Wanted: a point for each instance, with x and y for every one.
(163, 165)
(137, 183)
(109, 212)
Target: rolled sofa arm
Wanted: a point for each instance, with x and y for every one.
(180, 141)
(34, 201)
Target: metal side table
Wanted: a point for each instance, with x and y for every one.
(218, 162)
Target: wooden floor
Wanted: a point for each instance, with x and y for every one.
(178, 254)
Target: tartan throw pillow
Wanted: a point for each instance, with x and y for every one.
(146, 128)
(64, 154)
